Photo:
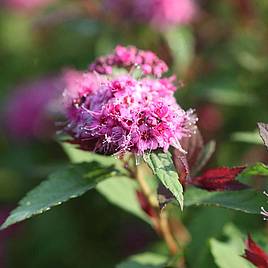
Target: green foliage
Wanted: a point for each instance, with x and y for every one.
(248, 201)
(229, 254)
(222, 61)
(201, 230)
(223, 91)
(247, 137)
(163, 168)
(78, 156)
(145, 260)
(67, 183)
(259, 169)
(225, 256)
(121, 191)
(181, 43)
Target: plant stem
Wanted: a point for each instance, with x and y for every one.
(146, 189)
(166, 232)
(160, 222)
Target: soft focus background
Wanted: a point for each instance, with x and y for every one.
(218, 49)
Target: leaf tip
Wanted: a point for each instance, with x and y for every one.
(4, 226)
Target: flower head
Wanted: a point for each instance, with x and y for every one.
(130, 57)
(119, 113)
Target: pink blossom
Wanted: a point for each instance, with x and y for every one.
(26, 4)
(172, 12)
(77, 86)
(121, 113)
(130, 57)
(159, 13)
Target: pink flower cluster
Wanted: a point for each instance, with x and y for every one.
(115, 114)
(78, 85)
(130, 57)
(159, 13)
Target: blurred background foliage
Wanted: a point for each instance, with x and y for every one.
(222, 60)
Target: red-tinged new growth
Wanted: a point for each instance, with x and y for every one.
(114, 114)
(219, 179)
(255, 254)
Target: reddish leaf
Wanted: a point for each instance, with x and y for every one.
(219, 179)
(263, 130)
(181, 165)
(255, 254)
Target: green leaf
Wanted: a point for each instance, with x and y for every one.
(121, 191)
(199, 245)
(181, 43)
(247, 137)
(144, 260)
(67, 183)
(229, 254)
(259, 169)
(248, 201)
(163, 167)
(225, 256)
(254, 63)
(78, 156)
(223, 90)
